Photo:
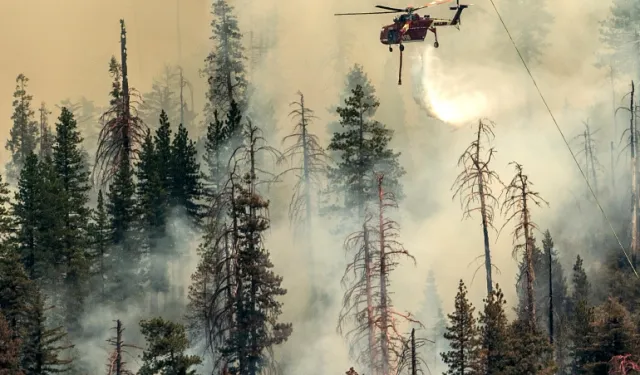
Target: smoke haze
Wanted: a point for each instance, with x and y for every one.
(64, 47)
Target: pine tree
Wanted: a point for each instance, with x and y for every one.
(163, 97)
(613, 334)
(42, 346)
(256, 306)
(27, 210)
(46, 138)
(356, 76)
(363, 149)
(162, 144)
(166, 343)
(7, 227)
(15, 290)
(494, 332)
(186, 189)
(620, 32)
(433, 317)
(581, 319)
(223, 137)
(531, 352)
(465, 355)
(9, 349)
(152, 206)
(122, 218)
(24, 133)
(100, 243)
(225, 64)
(70, 170)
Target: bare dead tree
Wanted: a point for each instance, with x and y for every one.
(116, 363)
(308, 160)
(588, 150)
(122, 131)
(411, 361)
(518, 198)
(356, 321)
(392, 342)
(633, 134)
(473, 186)
(310, 163)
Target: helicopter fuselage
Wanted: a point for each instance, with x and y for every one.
(406, 30)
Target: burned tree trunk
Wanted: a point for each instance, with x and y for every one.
(518, 198)
(550, 260)
(473, 186)
(384, 312)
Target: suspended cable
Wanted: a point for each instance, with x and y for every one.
(604, 214)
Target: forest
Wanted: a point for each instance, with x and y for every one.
(246, 229)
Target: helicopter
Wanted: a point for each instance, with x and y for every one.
(411, 27)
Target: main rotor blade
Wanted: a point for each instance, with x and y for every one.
(360, 14)
(389, 8)
(433, 3)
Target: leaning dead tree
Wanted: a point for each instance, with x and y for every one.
(308, 161)
(367, 304)
(633, 134)
(122, 131)
(518, 200)
(588, 151)
(473, 187)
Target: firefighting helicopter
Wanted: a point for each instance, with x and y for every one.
(411, 27)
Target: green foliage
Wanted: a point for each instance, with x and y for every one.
(363, 149)
(531, 352)
(225, 64)
(99, 250)
(71, 174)
(494, 331)
(9, 349)
(186, 187)
(42, 346)
(15, 290)
(166, 343)
(24, 133)
(464, 358)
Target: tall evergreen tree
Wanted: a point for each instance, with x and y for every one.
(15, 290)
(27, 210)
(432, 316)
(9, 349)
(363, 148)
(462, 332)
(163, 97)
(256, 307)
(225, 64)
(23, 136)
(100, 245)
(581, 319)
(166, 345)
(494, 332)
(70, 170)
(42, 347)
(356, 76)
(530, 23)
(186, 189)
(531, 352)
(122, 217)
(152, 205)
(613, 334)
